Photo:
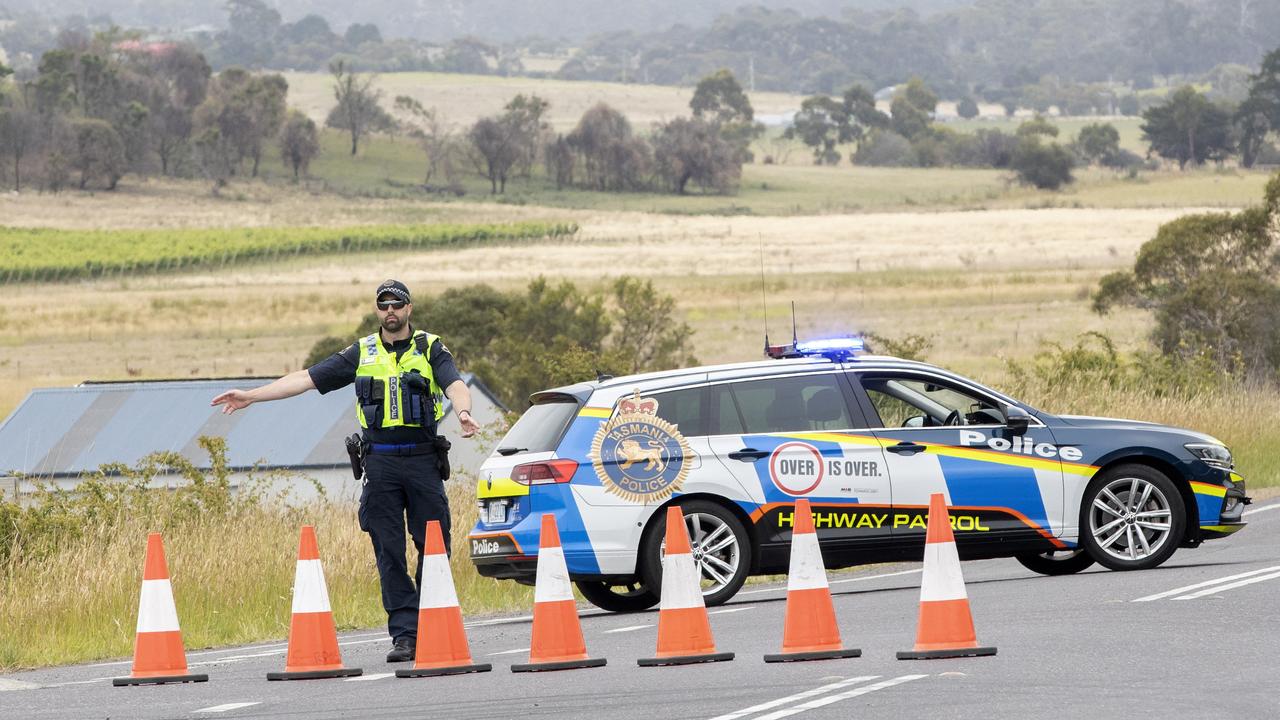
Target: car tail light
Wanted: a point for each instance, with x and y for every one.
(545, 473)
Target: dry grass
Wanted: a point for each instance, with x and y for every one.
(1009, 278)
(463, 99)
(232, 583)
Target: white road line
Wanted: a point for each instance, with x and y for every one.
(628, 628)
(510, 652)
(6, 685)
(875, 577)
(1262, 509)
(1206, 583)
(793, 698)
(371, 676)
(836, 582)
(726, 611)
(228, 706)
(823, 701)
(1229, 586)
(351, 640)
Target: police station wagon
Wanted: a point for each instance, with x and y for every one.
(866, 439)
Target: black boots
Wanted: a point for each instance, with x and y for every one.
(403, 650)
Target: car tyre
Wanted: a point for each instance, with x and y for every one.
(1057, 562)
(730, 548)
(1119, 535)
(619, 597)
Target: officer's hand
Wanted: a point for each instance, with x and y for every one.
(232, 400)
(469, 425)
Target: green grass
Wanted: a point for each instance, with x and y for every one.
(394, 168)
(28, 254)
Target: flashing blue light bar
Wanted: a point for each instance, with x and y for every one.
(827, 346)
(837, 349)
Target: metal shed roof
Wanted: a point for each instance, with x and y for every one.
(68, 431)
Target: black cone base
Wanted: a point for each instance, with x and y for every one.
(439, 671)
(163, 680)
(561, 665)
(935, 654)
(816, 655)
(685, 659)
(315, 674)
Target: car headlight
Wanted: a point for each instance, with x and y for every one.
(1212, 453)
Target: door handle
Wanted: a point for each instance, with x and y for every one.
(905, 448)
(748, 454)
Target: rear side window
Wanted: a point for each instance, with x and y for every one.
(685, 409)
(540, 427)
(795, 403)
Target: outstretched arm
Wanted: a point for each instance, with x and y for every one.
(295, 383)
(460, 397)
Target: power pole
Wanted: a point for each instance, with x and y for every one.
(751, 72)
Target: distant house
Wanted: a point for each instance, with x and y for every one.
(58, 434)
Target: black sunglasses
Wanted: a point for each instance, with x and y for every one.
(391, 304)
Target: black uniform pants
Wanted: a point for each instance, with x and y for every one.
(400, 487)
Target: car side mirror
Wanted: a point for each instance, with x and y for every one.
(914, 422)
(1016, 419)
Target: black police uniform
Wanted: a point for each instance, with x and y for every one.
(396, 485)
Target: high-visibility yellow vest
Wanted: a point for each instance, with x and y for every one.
(385, 394)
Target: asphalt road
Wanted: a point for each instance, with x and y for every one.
(1198, 637)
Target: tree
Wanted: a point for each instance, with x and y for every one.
(242, 113)
(1099, 143)
(497, 149)
(19, 132)
(434, 136)
(1188, 128)
(1259, 114)
(1046, 166)
(719, 98)
(644, 331)
(912, 109)
(179, 83)
(524, 114)
(967, 108)
(96, 152)
(309, 29)
(692, 150)
(818, 125)
(1251, 126)
(1211, 281)
(860, 114)
(299, 142)
(357, 110)
(252, 28)
(612, 158)
(560, 161)
(358, 34)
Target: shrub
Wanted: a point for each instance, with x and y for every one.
(1047, 166)
(884, 148)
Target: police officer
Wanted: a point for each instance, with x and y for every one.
(399, 374)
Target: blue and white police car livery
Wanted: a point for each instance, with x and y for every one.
(866, 439)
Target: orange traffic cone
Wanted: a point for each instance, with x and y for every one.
(442, 642)
(684, 632)
(946, 625)
(313, 640)
(158, 656)
(557, 635)
(810, 631)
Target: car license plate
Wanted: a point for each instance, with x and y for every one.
(497, 513)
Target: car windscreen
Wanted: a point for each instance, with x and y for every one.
(540, 428)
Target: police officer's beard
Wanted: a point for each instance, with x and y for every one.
(392, 323)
